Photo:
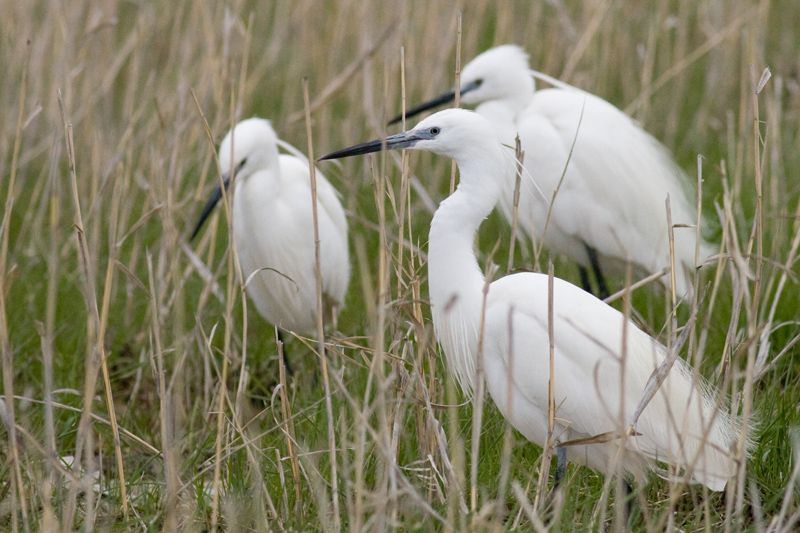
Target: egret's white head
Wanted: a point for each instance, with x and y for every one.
(460, 134)
(453, 133)
(251, 145)
(500, 74)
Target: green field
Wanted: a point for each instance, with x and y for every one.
(112, 323)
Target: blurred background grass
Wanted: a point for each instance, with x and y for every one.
(137, 80)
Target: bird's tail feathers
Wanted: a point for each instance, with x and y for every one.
(702, 438)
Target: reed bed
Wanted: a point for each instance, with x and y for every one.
(142, 391)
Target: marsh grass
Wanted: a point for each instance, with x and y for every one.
(136, 353)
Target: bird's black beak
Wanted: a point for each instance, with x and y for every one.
(407, 139)
(210, 204)
(442, 99)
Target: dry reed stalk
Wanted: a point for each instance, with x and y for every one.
(222, 390)
(693, 356)
(320, 312)
(404, 188)
(456, 483)
(95, 356)
(17, 484)
(757, 235)
(479, 395)
(165, 406)
(547, 452)
(672, 274)
(715, 287)
(457, 86)
(241, 385)
(538, 251)
(508, 435)
(48, 332)
(647, 280)
(284, 492)
(103, 326)
(381, 192)
(360, 439)
(519, 157)
(216, 486)
(620, 515)
(288, 428)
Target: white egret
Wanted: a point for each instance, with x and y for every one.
(594, 392)
(610, 207)
(273, 228)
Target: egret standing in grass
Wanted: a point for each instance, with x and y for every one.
(610, 207)
(594, 392)
(273, 228)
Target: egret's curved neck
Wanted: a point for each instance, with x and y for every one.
(455, 279)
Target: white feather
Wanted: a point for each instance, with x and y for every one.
(617, 178)
(273, 228)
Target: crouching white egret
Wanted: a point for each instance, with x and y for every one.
(273, 228)
(610, 207)
(594, 393)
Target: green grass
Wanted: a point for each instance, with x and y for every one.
(128, 75)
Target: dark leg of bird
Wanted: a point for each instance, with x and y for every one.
(627, 494)
(283, 353)
(585, 281)
(602, 289)
(561, 466)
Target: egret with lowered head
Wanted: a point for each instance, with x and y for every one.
(596, 391)
(610, 207)
(273, 228)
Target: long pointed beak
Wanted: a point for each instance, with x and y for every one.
(445, 98)
(407, 139)
(213, 200)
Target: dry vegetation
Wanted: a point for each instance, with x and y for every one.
(135, 353)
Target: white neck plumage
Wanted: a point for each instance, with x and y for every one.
(455, 280)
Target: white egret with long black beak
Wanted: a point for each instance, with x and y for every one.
(610, 206)
(273, 228)
(602, 361)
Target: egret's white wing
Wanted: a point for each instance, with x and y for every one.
(617, 180)
(591, 394)
(332, 224)
(273, 235)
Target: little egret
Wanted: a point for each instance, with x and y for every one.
(595, 389)
(610, 206)
(273, 228)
